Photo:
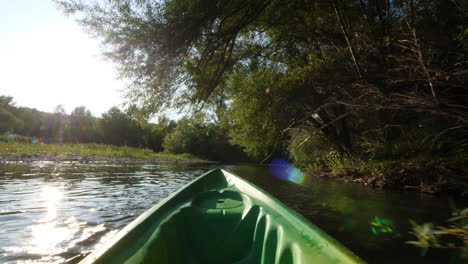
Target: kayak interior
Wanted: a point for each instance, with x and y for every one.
(220, 218)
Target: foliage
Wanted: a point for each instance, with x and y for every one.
(9, 121)
(432, 137)
(362, 74)
(255, 118)
(119, 129)
(15, 149)
(201, 138)
(116, 127)
(14, 138)
(153, 134)
(307, 146)
(83, 126)
(341, 163)
(453, 235)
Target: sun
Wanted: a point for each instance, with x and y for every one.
(59, 64)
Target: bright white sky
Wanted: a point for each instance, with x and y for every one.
(46, 59)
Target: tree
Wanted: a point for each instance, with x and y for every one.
(6, 102)
(8, 121)
(154, 134)
(119, 128)
(189, 136)
(32, 120)
(205, 139)
(83, 125)
(57, 126)
(343, 68)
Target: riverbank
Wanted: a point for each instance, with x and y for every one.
(432, 176)
(25, 152)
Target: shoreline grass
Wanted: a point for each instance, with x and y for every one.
(18, 149)
(424, 173)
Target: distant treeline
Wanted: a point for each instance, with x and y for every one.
(192, 135)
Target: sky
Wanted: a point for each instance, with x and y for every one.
(47, 59)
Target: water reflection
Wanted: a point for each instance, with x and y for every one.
(49, 237)
(51, 196)
(347, 211)
(48, 234)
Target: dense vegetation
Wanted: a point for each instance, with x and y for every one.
(318, 81)
(14, 148)
(116, 127)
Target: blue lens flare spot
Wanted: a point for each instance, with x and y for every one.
(281, 169)
(10, 137)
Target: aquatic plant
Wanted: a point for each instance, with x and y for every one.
(452, 235)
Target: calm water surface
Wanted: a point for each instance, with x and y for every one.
(59, 212)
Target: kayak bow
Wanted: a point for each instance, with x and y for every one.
(221, 218)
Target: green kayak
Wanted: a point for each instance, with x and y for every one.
(221, 218)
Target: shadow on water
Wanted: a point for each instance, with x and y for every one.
(58, 212)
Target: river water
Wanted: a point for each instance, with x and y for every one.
(57, 212)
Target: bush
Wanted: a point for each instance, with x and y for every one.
(202, 139)
(15, 138)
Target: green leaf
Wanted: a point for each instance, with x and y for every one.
(416, 243)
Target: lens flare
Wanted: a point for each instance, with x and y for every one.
(281, 169)
(383, 226)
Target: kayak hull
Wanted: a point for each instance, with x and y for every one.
(221, 218)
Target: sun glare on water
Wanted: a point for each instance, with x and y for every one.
(51, 196)
(47, 234)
